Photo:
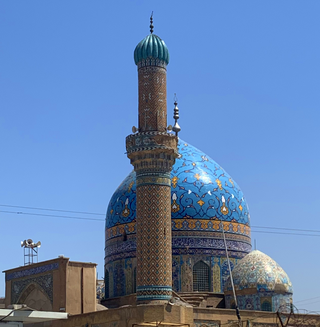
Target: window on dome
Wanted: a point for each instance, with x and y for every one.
(266, 306)
(201, 277)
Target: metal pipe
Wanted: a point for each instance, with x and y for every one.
(230, 273)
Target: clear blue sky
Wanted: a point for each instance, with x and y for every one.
(246, 74)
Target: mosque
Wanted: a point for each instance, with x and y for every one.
(207, 208)
(175, 228)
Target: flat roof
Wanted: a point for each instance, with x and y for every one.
(29, 316)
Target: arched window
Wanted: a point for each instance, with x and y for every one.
(106, 284)
(201, 277)
(266, 306)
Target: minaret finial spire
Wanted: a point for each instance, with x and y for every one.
(176, 128)
(151, 23)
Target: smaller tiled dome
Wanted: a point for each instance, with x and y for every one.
(151, 47)
(258, 271)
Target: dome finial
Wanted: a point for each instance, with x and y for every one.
(151, 23)
(176, 128)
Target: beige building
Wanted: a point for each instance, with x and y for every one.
(53, 285)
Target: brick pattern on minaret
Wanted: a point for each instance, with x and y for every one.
(152, 152)
(152, 99)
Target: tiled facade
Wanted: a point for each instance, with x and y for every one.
(198, 185)
(260, 284)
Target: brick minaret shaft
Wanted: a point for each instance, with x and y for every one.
(152, 99)
(152, 152)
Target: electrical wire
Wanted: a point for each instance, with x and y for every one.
(34, 208)
(100, 214)
(312, 298)
(257, 231)
(44, 215)
(293, 229)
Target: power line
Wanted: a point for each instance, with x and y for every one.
(44, 215)
(34, 208)
(100, 214)
(312, 298)
(261, 231)
(282, 228)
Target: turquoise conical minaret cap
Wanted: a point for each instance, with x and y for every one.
(152, 46)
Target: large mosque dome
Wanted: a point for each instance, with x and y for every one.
(204, 198)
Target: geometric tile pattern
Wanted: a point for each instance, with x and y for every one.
(154, 266)
(32, 271)
(152, 99)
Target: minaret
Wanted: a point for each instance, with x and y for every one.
(152, 152)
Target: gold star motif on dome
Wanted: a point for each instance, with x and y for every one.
(240, 207)
(201, 203)
(174, 181)
(193, 164)
(130, 186)
(197, 176)
(219, 184)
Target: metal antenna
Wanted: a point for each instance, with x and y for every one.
(230, 273)
(176, 128)
(151, 23)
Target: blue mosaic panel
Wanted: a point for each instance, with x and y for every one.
(200, 189)
(45, 282)
(32, 271)
(257, 301)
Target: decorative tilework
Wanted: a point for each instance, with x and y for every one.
(260, 283)
(195, 177)
(152, 98)
(259, 271)
(194, 237)
(119, 285)
(44, 282)
(206, 323)
(253, 301)
(154, 264)
(32, 271)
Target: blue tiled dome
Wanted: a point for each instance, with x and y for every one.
(200, 189)
(204, 198)
(151, 47)
(258, 271)
(260, 284)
